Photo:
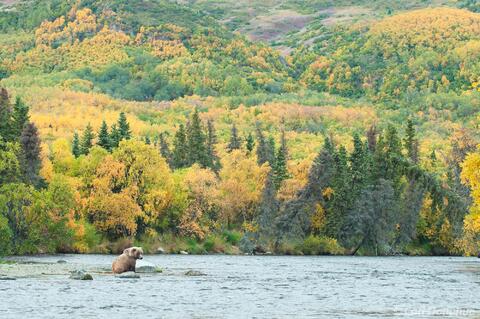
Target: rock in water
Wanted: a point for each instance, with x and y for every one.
(61, 261)
(7, 278)
(128, 275)
(160, 250)
(87, 277)
(80, 275)
(145, 267)
(183, 252)
(194, 273)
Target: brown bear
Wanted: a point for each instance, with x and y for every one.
(126, 261)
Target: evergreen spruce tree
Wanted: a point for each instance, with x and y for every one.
(180, 151)
(30, 154)
(235, 142)
(6, 131)
(433, 158)
(87, 140)
(411, 142)
(76, 145)
(115, 136)
(393, 157)
(341, 201)
(283, 144)
(372, 138)
(262, 150)
(104, 137)
(280, 171)
(124, 127)
(265, 148)
(371, 223)
(267, 212)
(212, 158)
(411, 204)
(359, 168)
(393, 143)
(165, 150)
(196, 141)
(250, 143)
(271, 151)
(20, 117)
(296, 217)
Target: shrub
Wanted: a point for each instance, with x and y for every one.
(289, 248)
(214, 244)
(314, 245)
(232, 237)
(194, 247)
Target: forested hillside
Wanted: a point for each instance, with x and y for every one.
(314, 127)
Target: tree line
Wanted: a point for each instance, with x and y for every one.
(376, 197)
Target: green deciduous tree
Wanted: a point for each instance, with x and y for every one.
(9, 164)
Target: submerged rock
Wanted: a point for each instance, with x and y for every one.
(194, 273)
(80, 275)
(7, 278)
(61, 261)
(146, 267)
(128, 275)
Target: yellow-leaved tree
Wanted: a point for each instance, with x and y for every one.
(148, 172)
(132, 185)
(201, 185)
(241, 186)
(471, 176)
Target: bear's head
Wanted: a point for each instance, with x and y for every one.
(134, 252)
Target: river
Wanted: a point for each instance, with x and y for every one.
(245, 287)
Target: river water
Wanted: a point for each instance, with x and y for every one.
(245, 287)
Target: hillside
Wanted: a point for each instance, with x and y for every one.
(371, 88)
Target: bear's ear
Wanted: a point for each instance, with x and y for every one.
(127, 251)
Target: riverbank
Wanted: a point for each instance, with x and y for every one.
(236, 243)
